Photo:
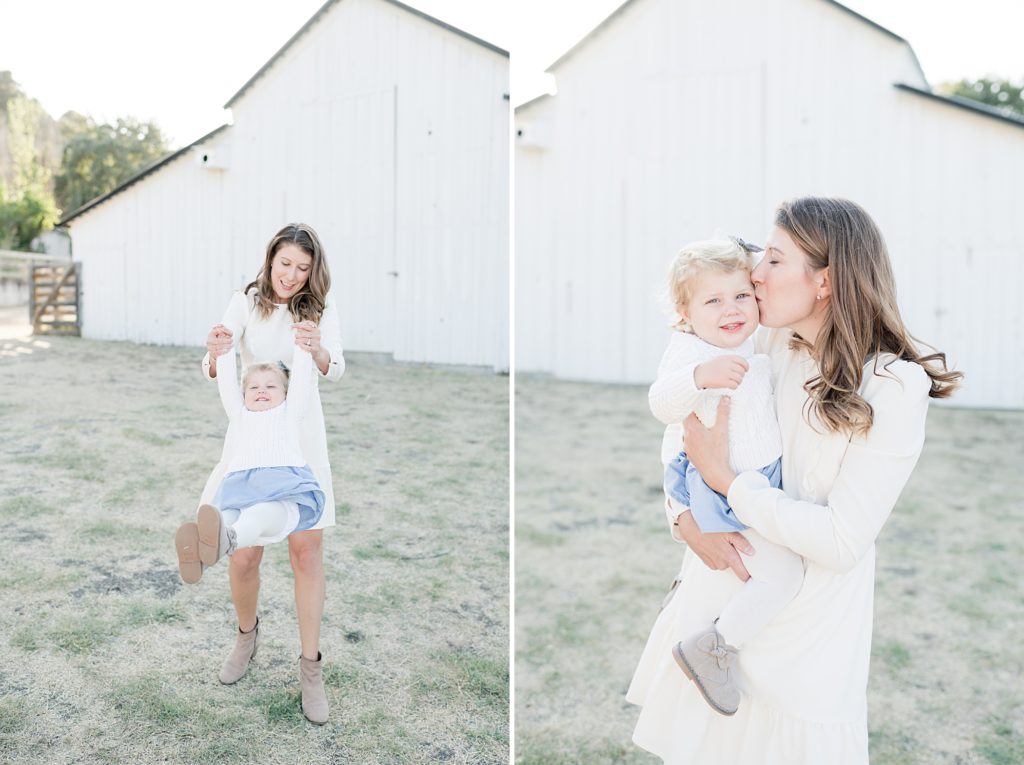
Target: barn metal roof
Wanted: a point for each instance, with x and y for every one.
(965, 103)
(533, 100)
(320, 13)
(148, 170)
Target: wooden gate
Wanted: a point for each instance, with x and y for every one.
(55, 299)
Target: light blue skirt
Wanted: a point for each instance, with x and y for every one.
(244, 488)
(711, 511)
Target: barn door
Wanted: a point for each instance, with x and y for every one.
(358, 173)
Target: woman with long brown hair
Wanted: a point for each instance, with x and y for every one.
(852, 389)
(288, 304)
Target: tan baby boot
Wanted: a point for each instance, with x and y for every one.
(216, 539)
(314, 698)
(237, 663)
(707, 660)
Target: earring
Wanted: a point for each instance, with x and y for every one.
(819, 296)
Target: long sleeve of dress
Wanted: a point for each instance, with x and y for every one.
(674, 393)
(300, 384)
(227, 383)
(873, 472)
(330, 338)
(235, 317)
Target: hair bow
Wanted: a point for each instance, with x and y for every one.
(746, 245)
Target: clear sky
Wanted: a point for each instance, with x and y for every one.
(178, 62)
(174, 61)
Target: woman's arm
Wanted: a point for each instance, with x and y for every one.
(330, 341)
(323, 340)
(224, 336)
(872, 475)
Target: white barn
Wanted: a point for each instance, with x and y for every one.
(386, 130)
(679, 119)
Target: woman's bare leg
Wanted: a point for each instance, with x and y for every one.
(244, 575)
(305, 549)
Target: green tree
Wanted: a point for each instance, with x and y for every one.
(98, 158)
(8, 89)
(24, 217)
(1002, 94)
(24, 120)
(27, 206)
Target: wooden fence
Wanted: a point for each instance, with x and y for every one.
(51, 284)
(55, 299)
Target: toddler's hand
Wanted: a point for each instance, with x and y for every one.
(218, 342)
(723, 372)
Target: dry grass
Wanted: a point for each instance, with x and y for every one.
(105, 657)
(593, 561)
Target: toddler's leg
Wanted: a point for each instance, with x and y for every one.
(776, 575)
(266, 519)
(230, 517)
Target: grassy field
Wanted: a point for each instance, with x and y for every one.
(593, 560)
(106, 657)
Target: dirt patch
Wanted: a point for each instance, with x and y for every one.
(593, 561)
(105, 657)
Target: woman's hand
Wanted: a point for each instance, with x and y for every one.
(219, 341)
(708, 448)
(721, 372)
(718, 550)
(307, 337)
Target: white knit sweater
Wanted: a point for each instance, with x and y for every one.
(269, 438)
(754, 437)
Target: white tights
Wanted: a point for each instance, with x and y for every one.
(263, 521)
(776, 576)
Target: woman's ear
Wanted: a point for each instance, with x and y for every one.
(824, 283)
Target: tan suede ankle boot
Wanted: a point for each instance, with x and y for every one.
(216, 539)
(708, 661)
(314, 698)
(237, 663)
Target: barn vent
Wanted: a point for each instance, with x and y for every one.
(213, 159)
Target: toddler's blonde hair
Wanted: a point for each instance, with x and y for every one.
(696, 258)
(278, 368)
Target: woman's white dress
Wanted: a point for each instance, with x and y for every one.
(273, 340)
(804, 676)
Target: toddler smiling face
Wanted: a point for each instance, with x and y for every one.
(264, 388)
(722, 310)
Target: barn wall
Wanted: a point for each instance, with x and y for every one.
(724, 110)
(418, 243)
(453, 198)
(154, 262)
